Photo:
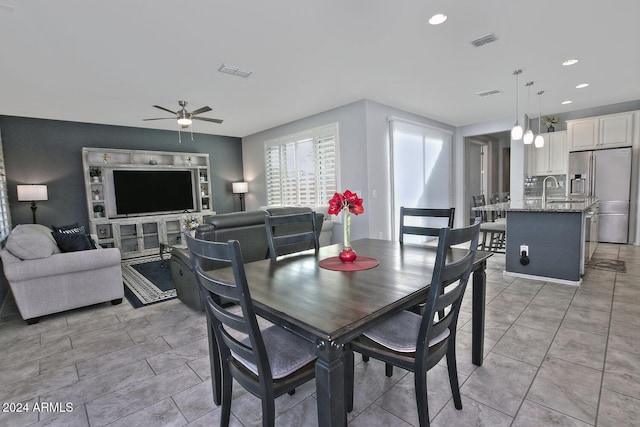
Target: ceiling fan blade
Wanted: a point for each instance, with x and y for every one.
(200, 110)
(165, 109)
(160, 118)
(207, 119)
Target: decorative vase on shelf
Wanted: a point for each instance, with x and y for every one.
(551, 129)
(347, 254)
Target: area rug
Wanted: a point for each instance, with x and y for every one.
(146, 281)
(608, 265)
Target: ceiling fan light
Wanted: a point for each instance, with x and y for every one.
(516, 132)
(528, 137)
(184, 121)
(539, 141)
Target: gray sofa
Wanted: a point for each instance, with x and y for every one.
(246, 227)
(44, 280)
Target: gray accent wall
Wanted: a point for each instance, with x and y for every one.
(38, 151)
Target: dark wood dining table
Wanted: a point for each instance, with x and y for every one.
(330, 308)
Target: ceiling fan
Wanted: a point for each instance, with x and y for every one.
(185, 117)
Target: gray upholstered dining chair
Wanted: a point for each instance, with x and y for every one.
(418, 342)
(291, 233)
(268, 362)
(445, 215)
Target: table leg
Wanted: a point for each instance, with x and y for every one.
(477, 321)
(330, 389)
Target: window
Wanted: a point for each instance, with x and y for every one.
(301, 169)
(421, 161)
(5, 218)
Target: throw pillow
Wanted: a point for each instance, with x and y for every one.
(68, 229)
(30, 245)
(72, 242)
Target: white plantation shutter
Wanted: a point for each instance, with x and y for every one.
(301, 169)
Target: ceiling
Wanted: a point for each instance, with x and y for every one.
(109, 61)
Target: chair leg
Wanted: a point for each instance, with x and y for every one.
(268, 411)
(453, 375)
(227, 390)
(483, 244)
(420, 380)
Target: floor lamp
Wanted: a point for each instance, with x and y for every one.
(240, 188)
(32, 193)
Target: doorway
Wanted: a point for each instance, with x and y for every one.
(487, 167)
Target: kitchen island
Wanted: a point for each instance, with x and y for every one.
(551, 234)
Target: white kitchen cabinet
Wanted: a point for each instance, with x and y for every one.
(616, 130)
(551, 159)
(583, 134)
(612, 130)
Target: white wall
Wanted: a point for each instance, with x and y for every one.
(363, 158)
(352, 158)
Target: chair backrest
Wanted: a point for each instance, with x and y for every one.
(478, 201)
(226, 324)
(291, 233)
(427, 231)
(453, 273)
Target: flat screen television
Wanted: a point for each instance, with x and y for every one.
(152, 191)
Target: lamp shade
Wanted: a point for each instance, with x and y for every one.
(528, 137)
(240, 187)
(28, 193)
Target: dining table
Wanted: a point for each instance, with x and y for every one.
(331, 307)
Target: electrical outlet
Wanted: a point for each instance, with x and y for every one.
(524, 250)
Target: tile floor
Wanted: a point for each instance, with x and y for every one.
(555, 356)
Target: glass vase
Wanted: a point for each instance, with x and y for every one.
(347, 254)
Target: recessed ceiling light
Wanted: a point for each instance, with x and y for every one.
(566, 102)
(570, 62)
(437, 19)
(582, 85)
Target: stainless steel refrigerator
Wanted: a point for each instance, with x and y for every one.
(605, 174)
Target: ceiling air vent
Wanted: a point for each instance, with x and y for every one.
(489, 38)
(489, 93)
(234, 71)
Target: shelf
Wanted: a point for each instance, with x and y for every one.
(140, 235)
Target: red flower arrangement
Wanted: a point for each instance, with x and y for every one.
(347, 200)
(351, 204)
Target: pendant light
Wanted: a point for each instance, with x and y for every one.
(539, 140)
(516, 131)
(528, 135)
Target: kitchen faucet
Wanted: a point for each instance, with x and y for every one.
(544, 188)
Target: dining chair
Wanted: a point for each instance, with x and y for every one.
(418, 342)
(425, 213)
(493, 230)
(436, 217)
(267, 362)
(291, 233)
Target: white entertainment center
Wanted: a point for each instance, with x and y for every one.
(140, 234)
